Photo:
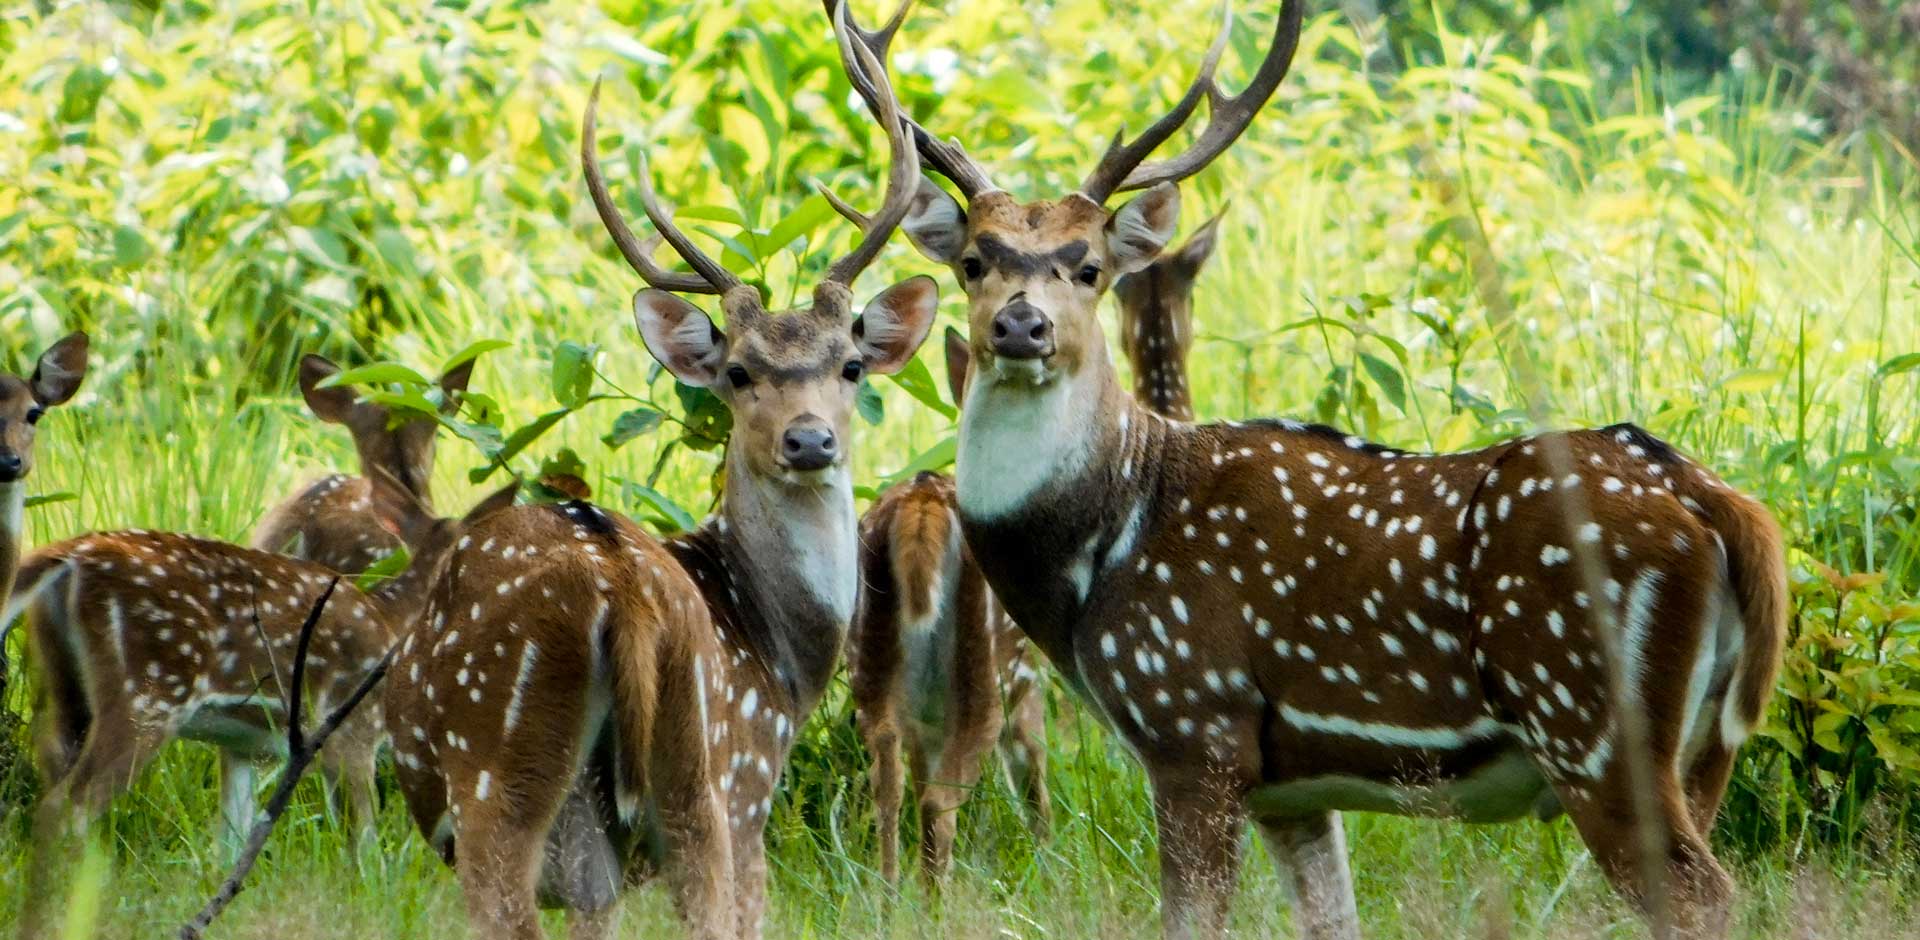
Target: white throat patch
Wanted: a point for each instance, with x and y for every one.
(1015, 438)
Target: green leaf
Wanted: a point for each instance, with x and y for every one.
(707, 420)
(564, 462)
(1898, 364)
(938, 457)
(573, 373)
(394, 248)
(130, 248)
(917, 379)
(387, 567)
(872, 407)
(665, 509)
(1386, 375)
(1742, 381)
(472, 351)
(632, 424)
(805, 217)
(517, 442)
(48, 499)
(378, 373)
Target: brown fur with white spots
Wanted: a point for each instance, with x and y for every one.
(1156, 323)
(1283, 622)
(336, 520)
(634, 701)
(141, 637)
(939, 672)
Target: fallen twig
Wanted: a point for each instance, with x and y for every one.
(301, 751)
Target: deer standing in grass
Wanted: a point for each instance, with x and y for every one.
(335, 520)
(584, 704)
(1282, 621)
(141, 637)
(1156, 323)
(55, 380)
(938, 669)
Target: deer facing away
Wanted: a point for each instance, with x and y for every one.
(1156, 323)
(938, 670)
(1282, 621)
(335, 520)
(583, 704)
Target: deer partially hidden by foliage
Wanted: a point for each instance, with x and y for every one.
(1283, 621)
(1156, 323)
(142, 637)
(336, 520)
(583, 704)
(939, 672)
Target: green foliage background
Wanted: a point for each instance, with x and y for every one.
(1433, 235)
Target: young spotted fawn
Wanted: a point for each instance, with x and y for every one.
(1156, 323)
(584, 704)
(939, 672)
(1281, 621)
(55, 379)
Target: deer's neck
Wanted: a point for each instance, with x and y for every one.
(1158, 354)
(792, 561)
(1056, 484)
(13, 513)
(404, 596)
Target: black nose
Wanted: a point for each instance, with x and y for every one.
(808, 447)
(9, 468)
(1021, 331)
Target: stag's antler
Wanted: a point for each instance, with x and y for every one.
(858, 57)
(1121, 169)
(946, 158)
(710, 278)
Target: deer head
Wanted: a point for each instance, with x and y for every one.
(790, 378)
(1034, 271)
(399, 445)
(56, 377)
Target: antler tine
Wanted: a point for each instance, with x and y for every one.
(841, 206)
(1228, 117)
(1123, 156)
(856, 55)
(710, 279)
(946, 158)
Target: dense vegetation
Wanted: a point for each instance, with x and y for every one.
(1447, 232)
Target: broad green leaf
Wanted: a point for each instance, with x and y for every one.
(1744, 381)
(917, 379)
(573, 373)
(472, 351)
(1899, 364)
(378, 373)
(387, 567)
(664, 508)
(48, 499)
(872, 407)
(632, 424)
(130, 248)
(1387, 376)
(706, 417)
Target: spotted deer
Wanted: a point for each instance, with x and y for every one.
(1156, 323)
(143, 637)
(939, 672)
(1283, 621)
(55, 379)
(584, 704)
(334, 520)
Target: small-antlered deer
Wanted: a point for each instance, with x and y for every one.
(938, 669)
(1282, 621)
(141, 637)
(1156, 323)
(583, 703)
(56, 378)
(335, 520)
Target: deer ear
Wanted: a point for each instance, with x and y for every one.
(453, 383)
(496, 501)
(935, 223)
(333, 404)
(895, 324)
(959, 360)
(1142, 228)
(56, 377)
(1193, 255)
(681, 336)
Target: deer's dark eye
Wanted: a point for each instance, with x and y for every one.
(852, 370)
(737, 374)
(971, 268)
(1089, 275)
(33, 415)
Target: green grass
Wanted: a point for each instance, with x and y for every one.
(1704, 266)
